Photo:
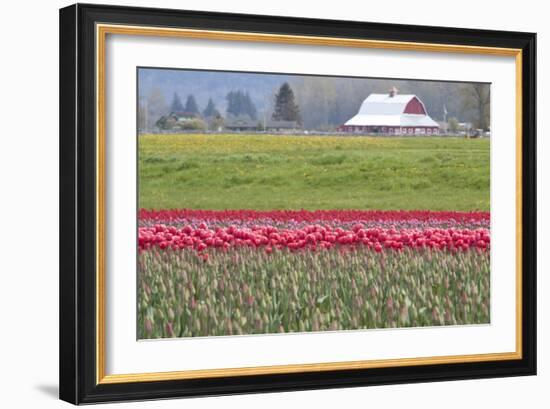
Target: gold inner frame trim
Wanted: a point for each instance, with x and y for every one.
(101, 33)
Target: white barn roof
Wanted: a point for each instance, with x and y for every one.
(386, 110)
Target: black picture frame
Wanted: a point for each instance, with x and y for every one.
(78, 312)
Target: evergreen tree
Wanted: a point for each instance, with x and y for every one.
(191, 105)
(286, 108)
(176, 105)
(232, 103)
(210, 110)
(240, 103)
(249, 107)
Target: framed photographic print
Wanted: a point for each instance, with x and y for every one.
(258, 203)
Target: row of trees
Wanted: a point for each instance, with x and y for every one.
(239, 104)
(192, 107)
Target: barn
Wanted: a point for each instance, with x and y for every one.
(392, 114)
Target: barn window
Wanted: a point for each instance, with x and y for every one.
(429, 131)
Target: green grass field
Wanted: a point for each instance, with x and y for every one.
(312, 172)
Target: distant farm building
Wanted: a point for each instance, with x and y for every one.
(281, 126)
(184, 116)
(244, 123)
(241, 123)
(392, 114)
(178, 121)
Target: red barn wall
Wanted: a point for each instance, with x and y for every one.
(415, 107)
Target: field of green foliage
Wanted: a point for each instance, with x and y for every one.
(312, 172)
(251, 292)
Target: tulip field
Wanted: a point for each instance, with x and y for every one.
(206, 273)
(276, 233)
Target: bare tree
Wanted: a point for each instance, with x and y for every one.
(156, 107)
(477, 97)
(142, 115)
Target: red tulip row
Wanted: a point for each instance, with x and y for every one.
(310, 237)
(166, 216)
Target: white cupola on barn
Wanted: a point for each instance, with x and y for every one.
(392, 114)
